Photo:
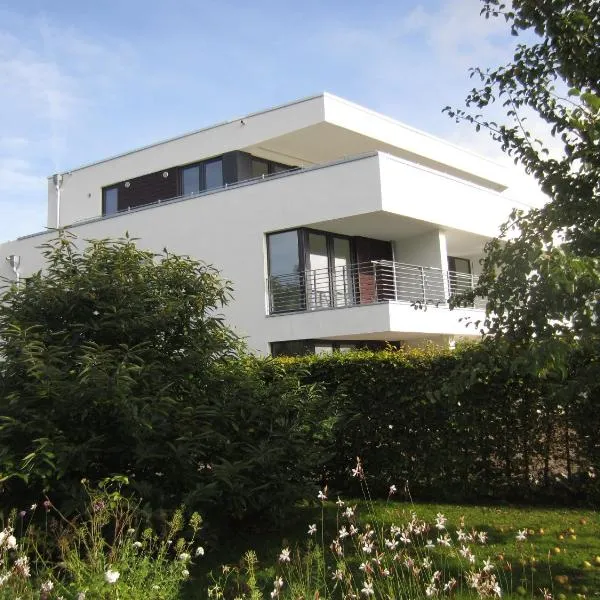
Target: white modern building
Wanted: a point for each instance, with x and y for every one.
(332, 222)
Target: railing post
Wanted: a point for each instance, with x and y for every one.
(423, 284)
(375, 282)
(314, 288)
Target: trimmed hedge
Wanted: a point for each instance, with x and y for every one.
(453, 425)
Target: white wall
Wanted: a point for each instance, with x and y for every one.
(414, 144)
(82, 188)
(424, 250)
(227, 227)
(431, 196)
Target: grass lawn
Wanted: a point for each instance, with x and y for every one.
(561, 551)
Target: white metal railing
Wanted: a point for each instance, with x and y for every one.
(366, 283)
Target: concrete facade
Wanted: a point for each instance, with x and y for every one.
(360, 174)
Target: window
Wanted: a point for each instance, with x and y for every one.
(460, 278)
(310, 270)
(206, 175)
(190, 180)
(285, 280)
(260, 168)
(110, 200)
(213, 174)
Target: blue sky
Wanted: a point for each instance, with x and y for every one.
(84, 80)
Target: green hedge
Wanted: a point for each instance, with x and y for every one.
(454, 425)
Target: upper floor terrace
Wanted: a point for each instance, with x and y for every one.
(303, 134)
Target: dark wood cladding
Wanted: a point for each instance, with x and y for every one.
(368, 250)
(148, 189)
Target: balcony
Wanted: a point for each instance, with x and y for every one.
(367, 283)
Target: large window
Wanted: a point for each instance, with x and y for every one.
(206, 175)
(285, 279)
(309, 270)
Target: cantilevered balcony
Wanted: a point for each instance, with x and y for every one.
(364, 284)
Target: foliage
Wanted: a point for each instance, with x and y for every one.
(386, 549)
(103, 554)
(542, 276)
(115, 361)
(459, 425)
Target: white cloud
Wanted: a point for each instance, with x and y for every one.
(52, 79)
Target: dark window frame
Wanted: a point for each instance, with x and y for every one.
(304, 260)
(201, 175)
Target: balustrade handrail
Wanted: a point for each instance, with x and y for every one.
(366, 283)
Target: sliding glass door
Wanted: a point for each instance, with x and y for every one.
(328, 278)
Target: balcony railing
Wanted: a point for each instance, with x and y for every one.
(366, 283)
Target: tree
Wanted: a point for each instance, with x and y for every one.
(541, 277)
(114, 360)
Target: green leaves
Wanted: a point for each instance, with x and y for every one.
(541, 277)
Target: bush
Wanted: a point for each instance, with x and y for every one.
(461, 425)
(115, 361)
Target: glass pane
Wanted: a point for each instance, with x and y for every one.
(285, 289)
(259, 168)
(191, 180)
(214, 174)
(460, 279)
(278, 168)
(342, 281)
(319, 295)
(111, 201)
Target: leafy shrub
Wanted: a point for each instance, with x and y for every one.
(115, 361)
(461, 425)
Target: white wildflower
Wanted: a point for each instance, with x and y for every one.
(440, 521)
(137, 544)
(391, 544)
(285, 555)
(461, 535)
(522, 535)
(21, 566)
(339, 502)
(445, 541)
(185, 573)
(482, 537)
(322, 495)
(367, 588)
(404, 538)
(312, 529)
(337, 575)
(111, 576)
(343, 533)
(367, 547)
(393, 490)
(46, 587)
(488, 567)
(348, 513)
(184, 557)
(429, 545)
(431, 590)
(199, 551)
(427, 564)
